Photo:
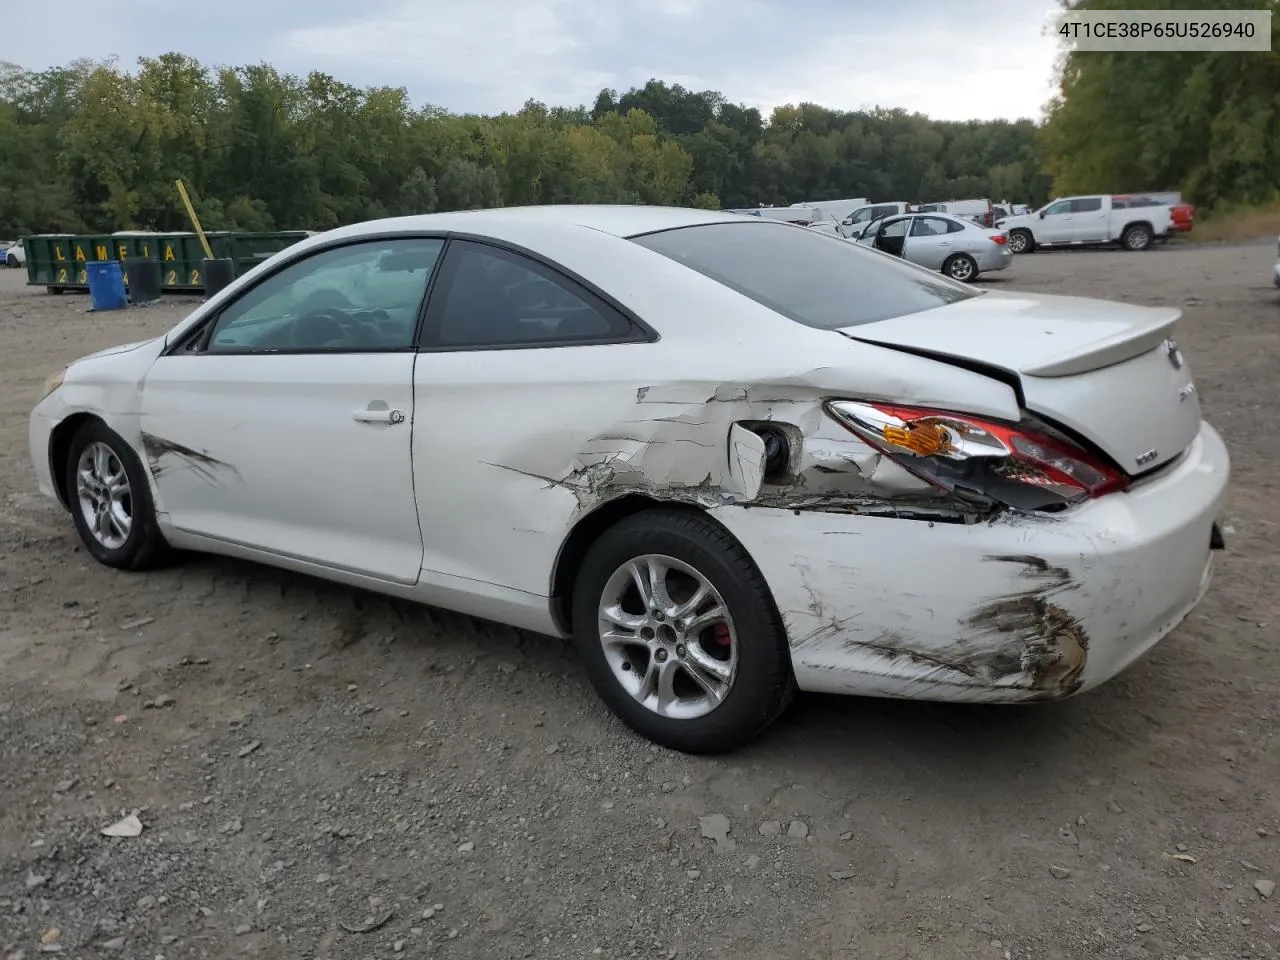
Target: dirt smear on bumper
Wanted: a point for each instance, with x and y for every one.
(1022, 642)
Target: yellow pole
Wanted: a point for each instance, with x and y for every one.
(191, 212)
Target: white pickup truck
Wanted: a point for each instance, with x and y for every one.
(1087, 221)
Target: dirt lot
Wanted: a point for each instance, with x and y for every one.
(329, 757)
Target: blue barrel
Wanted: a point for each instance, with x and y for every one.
(106, 285)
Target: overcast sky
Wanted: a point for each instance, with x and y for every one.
(981, 59)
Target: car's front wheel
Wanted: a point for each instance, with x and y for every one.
(679, 633)
(110, 500)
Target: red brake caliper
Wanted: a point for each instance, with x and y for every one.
(720, 634)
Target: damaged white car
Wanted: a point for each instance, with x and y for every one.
(729, 457)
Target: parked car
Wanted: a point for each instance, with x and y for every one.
(800, 216)
(979, 211)
(15, 255)
(1087, 221)
(728, 456)
(834, 209)
(864, 215)
(952, 245)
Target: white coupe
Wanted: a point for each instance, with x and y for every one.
(729, 457)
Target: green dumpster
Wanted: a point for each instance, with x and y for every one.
(57, 261)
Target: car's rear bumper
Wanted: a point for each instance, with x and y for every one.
(997, 259)
(1016, 609)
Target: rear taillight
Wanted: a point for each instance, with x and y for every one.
(1000, 238)
(996, 462)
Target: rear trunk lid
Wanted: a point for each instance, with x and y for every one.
(1109, 372)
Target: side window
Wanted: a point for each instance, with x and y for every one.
(953, 227)
(930, 227)
(1061, 206)
(1086, 205)
(491, 297)
(896, 228)
(361, 297)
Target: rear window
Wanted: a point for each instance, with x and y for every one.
(809, 277)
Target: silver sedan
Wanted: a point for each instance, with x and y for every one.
(957, 247)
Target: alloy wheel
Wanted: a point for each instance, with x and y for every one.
(104, 495)
(668, 637)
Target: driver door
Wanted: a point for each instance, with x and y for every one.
(892, 236)
(1057, 224)
(284, 424)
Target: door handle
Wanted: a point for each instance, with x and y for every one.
(944, 243)
(370, 415)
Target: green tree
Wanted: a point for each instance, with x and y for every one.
(1208, 123)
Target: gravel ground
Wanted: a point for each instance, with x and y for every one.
(309, 761)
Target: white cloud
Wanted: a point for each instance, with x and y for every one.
(990, 67)
(983, 59)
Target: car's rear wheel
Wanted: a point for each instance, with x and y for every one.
(1136, 237)
(1021, 242)
(961, 267)
(11, 261)
(110, 500)
(679, 633)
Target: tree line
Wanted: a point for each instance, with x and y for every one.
(1205, 123)
(91, 146)
(95, 147)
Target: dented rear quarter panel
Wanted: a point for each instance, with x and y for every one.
(533, 440)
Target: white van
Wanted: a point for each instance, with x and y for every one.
(873, 211)
(803, 216)
(979, 211)
(834, 209)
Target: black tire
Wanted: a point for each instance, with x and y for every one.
(144, 546)
(11, 261)
(1137, 237)
(961, 267)
(764, 683)
(1021, 241)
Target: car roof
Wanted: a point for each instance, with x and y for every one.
(618, 220)
(936, 214)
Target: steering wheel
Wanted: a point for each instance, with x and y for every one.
(326, 298)
(310, 328)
